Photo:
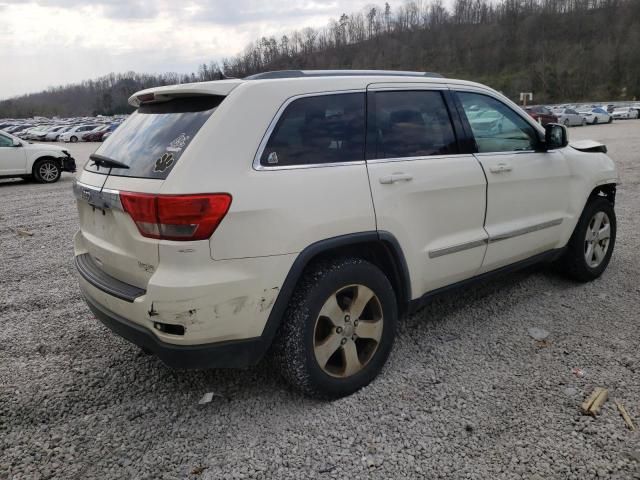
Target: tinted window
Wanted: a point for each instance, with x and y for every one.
(320, 129)
(154, 137)
(495, 126)
(5, 141)
(412, 124)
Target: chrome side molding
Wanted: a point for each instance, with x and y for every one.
(439, 252)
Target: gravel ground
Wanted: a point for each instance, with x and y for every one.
(467, 393)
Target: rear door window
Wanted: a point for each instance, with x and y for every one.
(412, 124)
(318, 130)
(152, 140)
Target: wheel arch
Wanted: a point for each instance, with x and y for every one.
(41, 158)
(607, 190)
(380, 248)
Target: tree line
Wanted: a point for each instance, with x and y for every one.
(561, 50)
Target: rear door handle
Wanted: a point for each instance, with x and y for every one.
(500, 168)
(395, 177)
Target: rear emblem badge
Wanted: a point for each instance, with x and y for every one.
(164, 162)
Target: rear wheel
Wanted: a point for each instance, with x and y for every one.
(74, 139)
(338, 329)
(46, 171)
(591, 245)
(595, 120)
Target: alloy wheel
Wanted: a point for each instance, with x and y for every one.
(348, 331)
(48, 171)
(596, 243)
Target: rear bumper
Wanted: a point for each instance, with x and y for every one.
(230, 354)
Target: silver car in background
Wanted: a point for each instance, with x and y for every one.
(569, 117)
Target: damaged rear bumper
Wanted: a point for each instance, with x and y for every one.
(229, 354)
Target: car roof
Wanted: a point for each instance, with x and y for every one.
(329, 80)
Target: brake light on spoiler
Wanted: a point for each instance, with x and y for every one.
(176, 217)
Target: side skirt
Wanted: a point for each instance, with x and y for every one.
(549, 256)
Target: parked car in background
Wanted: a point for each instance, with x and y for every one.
(98, 134)
(596, 115)
(75, 133)
(424, 203)
(624, 113)
(54, 133)
(43, 163)
(541, 114)
(106, 135)
(569, 117)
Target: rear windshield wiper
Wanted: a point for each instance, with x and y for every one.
(102, 161)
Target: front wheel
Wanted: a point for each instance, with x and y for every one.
(338, 329)
(591, 245)
(46, 171)
(74, 139)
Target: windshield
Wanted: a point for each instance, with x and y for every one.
(154, 137)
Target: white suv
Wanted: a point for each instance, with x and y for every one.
(308, 211)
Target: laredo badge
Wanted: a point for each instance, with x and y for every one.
(164, 162)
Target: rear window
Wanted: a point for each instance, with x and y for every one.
(153, 138)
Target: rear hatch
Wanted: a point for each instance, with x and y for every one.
(137, 158)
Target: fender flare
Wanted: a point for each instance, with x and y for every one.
(312, 251)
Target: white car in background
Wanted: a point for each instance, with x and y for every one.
(43, 163)
(54, 132)
(625, 113)
(596, 115)
(569, 117)
(75, 133)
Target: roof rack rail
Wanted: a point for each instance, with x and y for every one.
(337, 73)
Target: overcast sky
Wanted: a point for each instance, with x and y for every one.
(55, 42)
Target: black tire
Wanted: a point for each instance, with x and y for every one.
(46, 170)
(73, 139)
(610, 120)
(595, 120)
(567, 123)
(297, 337)
(574, 263)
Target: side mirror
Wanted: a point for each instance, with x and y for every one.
(16, 143)
(555, 136)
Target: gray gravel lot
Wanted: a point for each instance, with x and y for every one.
(467, 393)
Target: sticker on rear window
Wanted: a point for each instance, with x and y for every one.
(179, 143)
(164, 162)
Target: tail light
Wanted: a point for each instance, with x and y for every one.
(176, 217)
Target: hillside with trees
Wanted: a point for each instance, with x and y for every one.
(562, 50)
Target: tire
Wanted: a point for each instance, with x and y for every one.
(46, 171)
(298, 347)
(566, 122)
(584, 122)
(595, 120)
(73, 139)
(574, 261)
(610, 120)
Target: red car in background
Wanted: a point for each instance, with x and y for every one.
(541, 114)
(98, 134)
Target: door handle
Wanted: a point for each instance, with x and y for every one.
(500, 168)
(395, 177)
